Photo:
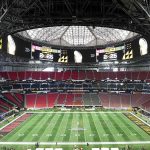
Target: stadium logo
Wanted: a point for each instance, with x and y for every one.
(27, 50)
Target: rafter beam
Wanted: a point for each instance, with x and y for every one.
(29, 6)
(42, 6)
(64, 32)
(69, 7)
(85, 5)
(3, 13)
(142, 8)
(92, 32)
(5, 6)
(137, 22)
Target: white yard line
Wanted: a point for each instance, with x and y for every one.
(74, 143)
(140, 119)
(60, 112)
(12, 121)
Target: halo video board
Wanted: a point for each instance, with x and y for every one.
(44, 53)
(63, 56)
(16, 46)
(129, 50)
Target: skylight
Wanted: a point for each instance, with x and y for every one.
(78, 35)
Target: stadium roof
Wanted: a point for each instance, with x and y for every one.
(78, 35)
(19, 15)
(24, 15)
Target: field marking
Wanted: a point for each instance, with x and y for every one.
(140, 119)
(12, 121)
(75, 143)
(75, 112)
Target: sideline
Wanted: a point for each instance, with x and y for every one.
(140, 119)
(61, 112)
(12, 121)
(74, 143)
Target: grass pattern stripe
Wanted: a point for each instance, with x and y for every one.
(77, 127)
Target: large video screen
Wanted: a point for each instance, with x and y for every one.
(45, 53)
(17, 46)
(1, 43)
(129, 50)
(82, 56)
(63, 56)
(110, 53)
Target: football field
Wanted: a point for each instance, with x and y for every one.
(70, 127)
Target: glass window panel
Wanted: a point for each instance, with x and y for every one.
(78, 35)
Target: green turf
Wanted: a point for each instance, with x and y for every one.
(77, 127)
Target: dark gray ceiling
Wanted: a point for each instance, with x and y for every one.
(18, 15)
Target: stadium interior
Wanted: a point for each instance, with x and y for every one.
(74, 75)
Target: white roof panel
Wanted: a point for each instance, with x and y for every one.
(78, 35)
